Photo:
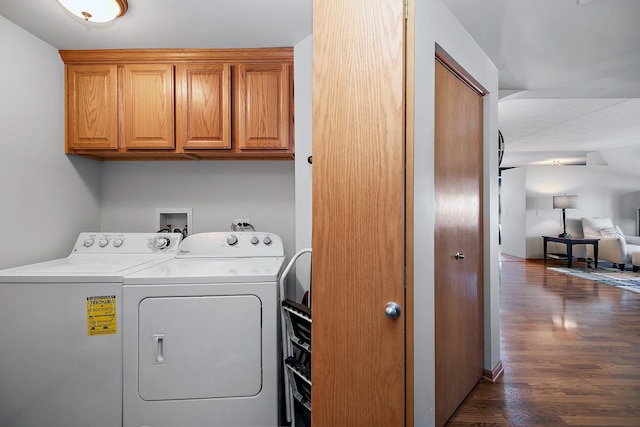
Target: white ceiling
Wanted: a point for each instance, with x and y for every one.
(169, 24)
(541, 131)
(568, 69)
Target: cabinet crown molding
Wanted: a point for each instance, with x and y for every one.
(142, 56)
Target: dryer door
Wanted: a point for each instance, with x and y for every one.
(199, 347)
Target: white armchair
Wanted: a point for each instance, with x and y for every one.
(613, 246)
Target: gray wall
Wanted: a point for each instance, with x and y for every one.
(218, 191)
(47, 197)
(303, 57)
(513, 199)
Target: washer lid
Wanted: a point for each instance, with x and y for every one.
(210, 270)
(99, 257)
(87, 268)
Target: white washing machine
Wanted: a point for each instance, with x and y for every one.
(201, 347)
(61, 331)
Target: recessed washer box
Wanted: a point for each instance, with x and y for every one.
(176, 218)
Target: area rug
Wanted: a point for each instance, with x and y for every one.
(613, 277)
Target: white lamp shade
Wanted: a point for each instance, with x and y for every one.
(565, 202)
(96, 10)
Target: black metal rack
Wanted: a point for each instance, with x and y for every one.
(296, 350)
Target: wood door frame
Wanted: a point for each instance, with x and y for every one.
(445, 59)
(409, 119)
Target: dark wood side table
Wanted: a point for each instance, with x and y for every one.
(570, 241)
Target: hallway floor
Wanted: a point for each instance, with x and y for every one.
(570, 349)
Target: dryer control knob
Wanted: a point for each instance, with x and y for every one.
(232, 239)
(87, 243)
(118, 242)
(255, 240)
(267, 240)
(161, 242)
(103, 242)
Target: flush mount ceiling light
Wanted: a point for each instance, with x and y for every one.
(96, 10)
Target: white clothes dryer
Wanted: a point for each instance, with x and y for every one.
(201, 347)
(61, 331)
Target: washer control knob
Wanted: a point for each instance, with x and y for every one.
(232, 239)
(103, 242)
(118, 242)
(255, 240)
(88, 243)
(161, 242)
(267, 240)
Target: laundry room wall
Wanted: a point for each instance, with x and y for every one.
(303, 68)
(48, 198)
(275, 195)
(218, 191)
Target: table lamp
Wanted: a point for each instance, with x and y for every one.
(565, 202)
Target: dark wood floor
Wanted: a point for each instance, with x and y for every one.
(571, 354)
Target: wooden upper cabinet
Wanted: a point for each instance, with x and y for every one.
(92, 107)
(179, 103)
(203, 113)
(262, 99)
(148, 106)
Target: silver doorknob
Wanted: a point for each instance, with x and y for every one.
(459, 255)
(392, 310)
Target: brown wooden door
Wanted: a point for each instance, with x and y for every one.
(148, 106)
(358, 375)
(203, 111)
(262, 106)
(92, 107)
(458, 281)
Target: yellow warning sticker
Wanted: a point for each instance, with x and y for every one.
(101, 315)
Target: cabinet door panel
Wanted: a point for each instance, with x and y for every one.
(262, 107)
(92, 107)
(203, 112)
(148, 106)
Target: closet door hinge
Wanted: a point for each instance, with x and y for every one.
(406, 9)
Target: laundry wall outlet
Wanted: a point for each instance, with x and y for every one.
(242, 224)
